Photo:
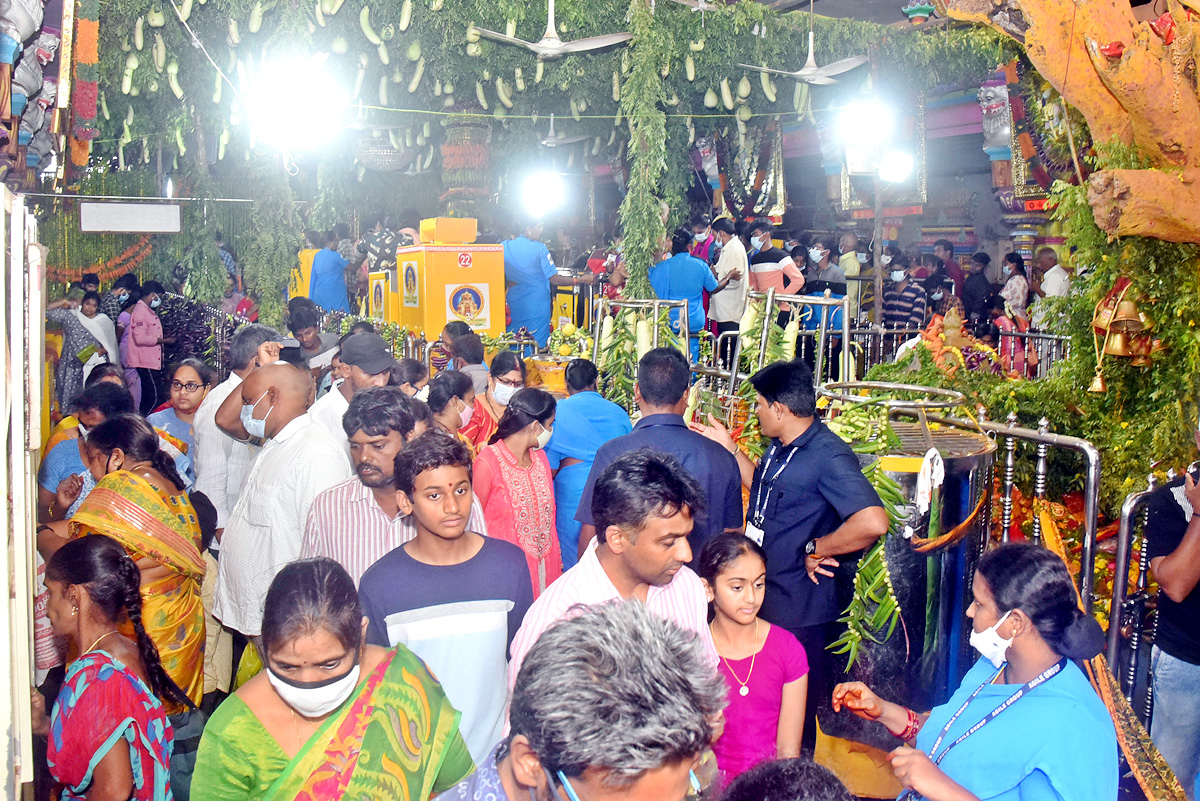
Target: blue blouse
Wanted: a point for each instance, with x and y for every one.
(1057, 743)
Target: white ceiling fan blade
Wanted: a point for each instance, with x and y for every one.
(595, 42)
(768, 69)
(818, 80)
(551, 30)
(551, 134)
(845, 65)
(500, 37)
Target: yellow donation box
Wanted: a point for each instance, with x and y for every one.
(434, 284)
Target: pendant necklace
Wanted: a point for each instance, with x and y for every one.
(743, 690)
(98, 639)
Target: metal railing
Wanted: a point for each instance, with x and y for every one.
(1043, 440)
(1128, 610)
(606, 305)
(1050, 348)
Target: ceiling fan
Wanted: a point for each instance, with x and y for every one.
(699, 5)
(554, 140)
(550, 46)
(810, 72)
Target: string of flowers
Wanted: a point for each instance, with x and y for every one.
(127, 261)
(85, 96)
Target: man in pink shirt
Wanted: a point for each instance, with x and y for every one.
(643, 504)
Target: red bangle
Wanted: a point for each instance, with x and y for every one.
(913, 727)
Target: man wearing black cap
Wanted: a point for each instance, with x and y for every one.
(367, 363)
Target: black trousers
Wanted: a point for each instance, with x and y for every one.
(152, 394)
(815, 640)
(728, 345)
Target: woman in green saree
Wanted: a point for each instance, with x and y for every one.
(330, 717)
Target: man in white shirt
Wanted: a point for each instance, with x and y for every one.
(726, 305)
(367, 362)
(299, 461)
(221, 467)
(1050, 280)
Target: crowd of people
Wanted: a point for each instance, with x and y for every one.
(331, 575)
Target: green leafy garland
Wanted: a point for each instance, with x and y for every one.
(269, 251)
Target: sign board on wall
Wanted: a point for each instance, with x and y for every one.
(129, 218)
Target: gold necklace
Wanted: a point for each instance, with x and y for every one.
(97, 642)
(743, 690)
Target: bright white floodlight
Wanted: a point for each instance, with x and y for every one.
(295, 103)
(543, 193)
(865, 124)
(896, 166)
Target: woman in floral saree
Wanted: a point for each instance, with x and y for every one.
(330, 717)
(108, 735)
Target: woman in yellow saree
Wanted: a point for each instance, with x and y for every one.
(330, 717)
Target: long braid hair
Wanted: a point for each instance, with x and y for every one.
(108, 574)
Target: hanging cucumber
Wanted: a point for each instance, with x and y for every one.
(480, 95)
(710, 99)
(696, 46)
(689, 68)
(473, 34)
(502, 93)
(179, 142)
(537, 73)
(743, 88)
(104, 107)
(415, 81)
(364, 22)
(726, 95)
(383, 85)
(616, 87)
(155, 17)
(414, 51)
(234, 38)
(319, 14)
(185, 10)
(384, 58)
(254, 25)
(139, 33)
(768, 86)
(131, 64)
(405, 15)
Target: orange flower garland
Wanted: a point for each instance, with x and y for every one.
(128, 261)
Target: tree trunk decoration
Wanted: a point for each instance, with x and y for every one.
(1135, 83)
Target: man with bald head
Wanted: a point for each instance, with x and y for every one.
(299, 460)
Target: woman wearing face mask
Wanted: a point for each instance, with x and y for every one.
(1024, 723)
(331, 717)
(1016, 285)
(145, 353)
(505, 377)
(452, 402)
(138, 500)
(108, 734)
(513, 483)
(124, 323)
(411, 376)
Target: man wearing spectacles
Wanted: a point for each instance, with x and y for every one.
(588, 723)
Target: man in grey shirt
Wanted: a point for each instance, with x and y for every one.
(466, 353)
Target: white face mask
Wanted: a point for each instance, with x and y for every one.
(318, 698)
(503, 393)
(991, 645)
(885, 259)
(757, 242)
(255, 427)
(154, 304)
(863, 258)
(898, 276)
(700, 237)
(422, 394)
(464, 415)
(1007, 270)
(816, 254)
(543, 439)
(936, 296)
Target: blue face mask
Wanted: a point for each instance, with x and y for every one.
(123, 297)
(255, 427)
(154, 304)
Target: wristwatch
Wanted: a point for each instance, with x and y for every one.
(810, 548)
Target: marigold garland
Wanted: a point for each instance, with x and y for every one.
(128, 261)
(86, 93)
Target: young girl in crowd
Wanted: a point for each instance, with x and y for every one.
(515, 488)
(765, 666)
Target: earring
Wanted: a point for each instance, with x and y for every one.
(74, 611)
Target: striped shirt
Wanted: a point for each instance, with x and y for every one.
(346, 524)
(774, 269)
(904, 308)
(682, 601)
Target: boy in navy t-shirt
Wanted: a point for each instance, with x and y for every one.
(453, 597)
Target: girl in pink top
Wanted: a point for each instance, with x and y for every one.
(144, 348)
(515, 487)
(765, 666)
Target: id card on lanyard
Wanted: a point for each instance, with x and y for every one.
(757, 516)
(1041, 678)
